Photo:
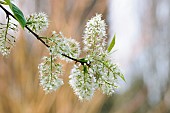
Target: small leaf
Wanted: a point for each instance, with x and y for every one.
(4, 3)
(28, 23)
(83, 60)
(122, 77)
(7, 2)
(18, 15)
(111, 44)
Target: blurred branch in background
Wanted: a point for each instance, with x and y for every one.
(70, 15)
(154, 59)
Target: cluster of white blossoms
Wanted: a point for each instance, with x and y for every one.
(82, 82)
(100, 75)
(62, 46)
(98, 72)
(37, 22)
(106, 74)
(49, 74)
(7, 40)
(5, 51)
(95, 71)
(95, 35)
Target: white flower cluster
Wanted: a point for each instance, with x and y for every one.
(7, 40)
(49, 74)
(62, 45)
(95, 35)
(94, 71)
(98, 72)
(102, 75)
(37, 22)
(82, 82)
(5, 51)
(49, 71)
(106, 74)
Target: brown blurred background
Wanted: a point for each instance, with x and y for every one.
(144, 58)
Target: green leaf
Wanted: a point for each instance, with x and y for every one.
(4, 3)
(18, 15)
(7, 2)
(83, 60)
(111, 44)
(122, 77)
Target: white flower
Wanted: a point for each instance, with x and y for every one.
(62, 45)
(7, 40)
(37, 22)
(4, 51)
(95, 35)
(106, 74)
(49, 83)
(82, 83)
(94, 71)
(49, 72)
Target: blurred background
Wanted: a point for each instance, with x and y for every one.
(142, 49)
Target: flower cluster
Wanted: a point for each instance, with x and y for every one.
(37, 22)
(98, 72)
(101, 74)
(64, 46)
(49, 74)
(106, 74)
(5, 51)
(49, 71)
(95, 35)
(93, 71)
(82, 82)
(7, 40)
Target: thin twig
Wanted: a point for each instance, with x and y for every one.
(36, 35)
(7, 27)
(77, 60)
(39, 38)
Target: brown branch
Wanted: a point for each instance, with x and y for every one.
(38, 37)
(77, 60)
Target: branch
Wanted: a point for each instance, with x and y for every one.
(7, 27)
(77, 60)
(7, 12)
(36, 35)
(39, 38)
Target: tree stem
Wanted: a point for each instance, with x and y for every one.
(38, 37)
